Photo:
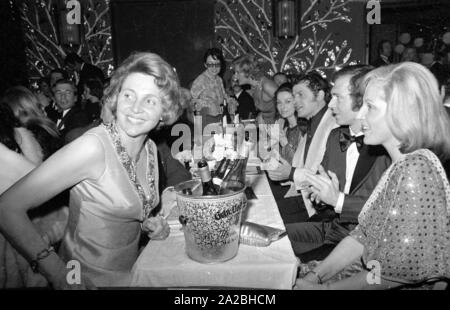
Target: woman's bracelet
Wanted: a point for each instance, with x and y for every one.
(40, 256)
(317, 275)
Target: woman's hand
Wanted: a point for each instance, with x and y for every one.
(156, 228)
(62, 283)
(168, 202)
(302, 284)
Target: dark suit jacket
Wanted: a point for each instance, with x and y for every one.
(372, 162)
(52, 113)
(379, 62)
(75, 118)
(441, 72)
(246, 105)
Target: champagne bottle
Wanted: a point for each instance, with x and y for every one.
(226, 118)
(235, 179)
(207, 184)
(221, 170)
(187, 191)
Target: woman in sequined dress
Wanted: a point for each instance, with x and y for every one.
(403, 236)
(112, 171)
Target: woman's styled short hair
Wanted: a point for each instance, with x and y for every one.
(249, 65)
(415, 111)
(165, 78)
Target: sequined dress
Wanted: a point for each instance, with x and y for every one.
(405, 224)
(104, 228)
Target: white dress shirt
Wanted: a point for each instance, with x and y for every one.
(59, 120)
(352, 156)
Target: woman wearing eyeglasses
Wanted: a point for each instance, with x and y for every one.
(207, 89)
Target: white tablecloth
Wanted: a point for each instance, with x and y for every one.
(165, 263)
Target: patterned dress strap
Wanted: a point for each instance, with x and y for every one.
(148, 202)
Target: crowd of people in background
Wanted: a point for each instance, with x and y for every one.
(361, 172)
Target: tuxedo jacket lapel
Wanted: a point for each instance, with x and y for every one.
(365, 162)
(64, 119)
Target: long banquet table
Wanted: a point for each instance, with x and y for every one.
(165, 263)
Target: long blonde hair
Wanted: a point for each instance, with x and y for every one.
(25, 106)
(415, 111)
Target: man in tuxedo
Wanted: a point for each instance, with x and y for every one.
(349, 172)
(384, 54)
(82, 71)
(311, 97)
(52, 110)
(72, 115)
(246, 108)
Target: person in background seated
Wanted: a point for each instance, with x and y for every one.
(290, 131)
(247, 71)
(52, 110)
(246, 106)
(439, 70)
(410, 54)
(112, 171)
(36, 135)
(311, 97)
(72, 115)
(280, 78)
(82, 71)
(404, 226)
(15, 271)
(44, 94)
(92, 95)
(350, 170)
(384, 54)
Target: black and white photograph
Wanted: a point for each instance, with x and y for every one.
(224, 152)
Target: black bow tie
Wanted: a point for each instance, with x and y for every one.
(345, 140)
(304, 125)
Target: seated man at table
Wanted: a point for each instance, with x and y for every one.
(349, 172)
(311, 97)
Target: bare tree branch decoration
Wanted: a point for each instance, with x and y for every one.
(246, 27)
(43, 45)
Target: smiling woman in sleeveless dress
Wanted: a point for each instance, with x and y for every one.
(112, 173)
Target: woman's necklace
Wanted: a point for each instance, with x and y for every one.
(148, 201)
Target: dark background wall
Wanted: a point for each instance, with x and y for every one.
(427, 19)
(12, 48)
(178, 30)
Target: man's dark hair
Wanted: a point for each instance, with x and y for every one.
(316, 83)
(357, 73)
(215, 53)
(96, 87)
(280, 73)
(72, 58)
(283, 87)
(58, 70)
(66, 81)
